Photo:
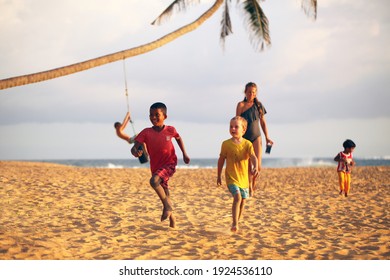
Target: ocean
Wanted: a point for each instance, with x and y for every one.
(212, 163)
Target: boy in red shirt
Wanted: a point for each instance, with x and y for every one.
(163, 160)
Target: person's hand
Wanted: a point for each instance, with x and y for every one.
(254, 171)
(136, 152)
(269, 141)
(186, 159)
(219, 181)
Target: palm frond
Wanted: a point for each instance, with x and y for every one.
(310, 8)
(257, 23)
(226, 24)
(177, 5)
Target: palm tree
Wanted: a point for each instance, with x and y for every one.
(255, 20)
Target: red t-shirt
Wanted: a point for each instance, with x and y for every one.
(160, 147)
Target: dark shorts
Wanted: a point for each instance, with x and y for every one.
(165, 173)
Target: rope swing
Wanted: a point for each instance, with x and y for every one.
(144, 158)
(127, 95)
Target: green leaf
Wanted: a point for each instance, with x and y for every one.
(177, 5)
(257, 24)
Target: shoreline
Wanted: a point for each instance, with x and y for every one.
(53, 211)
(210, 163)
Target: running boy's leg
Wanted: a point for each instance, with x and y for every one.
(236, 211)
(172, 219)
(159, 182)
(155, 182)
(242, 204)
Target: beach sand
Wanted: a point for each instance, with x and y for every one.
(52, 211)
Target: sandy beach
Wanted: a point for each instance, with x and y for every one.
(52, 211)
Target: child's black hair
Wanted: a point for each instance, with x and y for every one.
(349, 144)
(159, 105)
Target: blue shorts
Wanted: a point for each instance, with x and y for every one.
(234, 189)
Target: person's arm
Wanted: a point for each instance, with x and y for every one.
(121, 134)
(221, 162)
(119, 129)
(125, 121)
(180, 142)
(337, 158)
(254, 164)
(239, 109)
(263, 124)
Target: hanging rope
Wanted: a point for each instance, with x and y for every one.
(127, 94)
(144, 157)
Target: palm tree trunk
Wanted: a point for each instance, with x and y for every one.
(88, 64)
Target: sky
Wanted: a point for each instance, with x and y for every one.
(321, 81)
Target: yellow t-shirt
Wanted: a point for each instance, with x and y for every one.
(236, 156)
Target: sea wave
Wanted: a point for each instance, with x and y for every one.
(212, 163)
(194, 167)
(114, 166)
(376, 158)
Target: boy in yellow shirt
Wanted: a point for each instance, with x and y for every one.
(238, 154)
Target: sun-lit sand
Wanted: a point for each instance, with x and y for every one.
(51, 211)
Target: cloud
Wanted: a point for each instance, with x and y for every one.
(333, 69)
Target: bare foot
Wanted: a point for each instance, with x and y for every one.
(234, 229)
(172, 221)
(251, 192)
(167, 212)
